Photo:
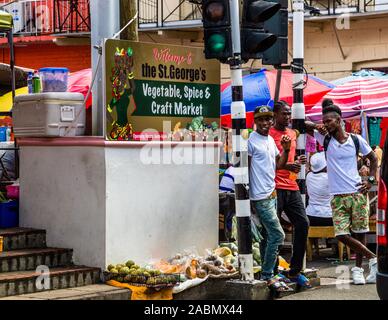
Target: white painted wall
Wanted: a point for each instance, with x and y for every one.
(63, 191)
(157, 210)
(109, 206)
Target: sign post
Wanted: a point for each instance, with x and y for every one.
(240, 152)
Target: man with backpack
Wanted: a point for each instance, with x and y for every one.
(349, 203)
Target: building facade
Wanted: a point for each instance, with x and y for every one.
(49, 33)
(340, 36)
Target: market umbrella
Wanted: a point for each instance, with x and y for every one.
(259, 89)
(80, 81)
(354, 97)
(359, 75)
(6, 99)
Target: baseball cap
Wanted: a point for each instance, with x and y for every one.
(318, 162)
(263, 111)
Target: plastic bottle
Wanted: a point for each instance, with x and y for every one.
(29, 82)
(8, 134)
(36, 86)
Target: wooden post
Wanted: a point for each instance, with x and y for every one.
(128, 9)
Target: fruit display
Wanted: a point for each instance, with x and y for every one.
(217, 264)
(232, 258)
(135, 275)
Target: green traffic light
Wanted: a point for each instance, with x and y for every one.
(217, 43)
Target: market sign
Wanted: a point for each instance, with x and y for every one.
(163, 92)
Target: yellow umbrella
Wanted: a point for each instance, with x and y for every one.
(6, 99)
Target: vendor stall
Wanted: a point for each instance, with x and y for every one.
(122, 196)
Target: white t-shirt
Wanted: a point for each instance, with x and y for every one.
(263, 151)
(342, 163)
(319, 196)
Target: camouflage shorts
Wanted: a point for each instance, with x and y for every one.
(350, 212)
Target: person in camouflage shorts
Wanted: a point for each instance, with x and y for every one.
(349, 204)
(350, 213)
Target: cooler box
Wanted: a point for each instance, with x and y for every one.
(49, 114)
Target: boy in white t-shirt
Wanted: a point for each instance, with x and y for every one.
(349, 203)
(263, 160)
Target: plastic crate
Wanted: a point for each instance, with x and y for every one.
(9, 214)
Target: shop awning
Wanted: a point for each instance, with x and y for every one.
(369, 96)
(259, 89)
(6, 21)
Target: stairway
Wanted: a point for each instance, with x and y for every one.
(25, 249)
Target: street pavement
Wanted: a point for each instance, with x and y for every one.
(336, 281)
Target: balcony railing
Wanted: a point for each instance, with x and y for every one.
(44, 17)
(335, 7)
(157, 14)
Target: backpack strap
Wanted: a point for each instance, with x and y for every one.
(356, 143)
(326, 142)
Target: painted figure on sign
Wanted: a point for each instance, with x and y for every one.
(123, 87)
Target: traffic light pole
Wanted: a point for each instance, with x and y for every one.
(240, 152)
(298, 108)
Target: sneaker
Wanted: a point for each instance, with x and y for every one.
(358, 275)
(372, 271)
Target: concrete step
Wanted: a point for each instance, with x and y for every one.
(30, 259)
(23, 238)
(25, 282)
(92, 292)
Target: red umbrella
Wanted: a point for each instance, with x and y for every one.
(80, 81)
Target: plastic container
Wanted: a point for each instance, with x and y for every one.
(8, 133)
(12, 191)
(9, 214)
(49, 115)
(54, 79)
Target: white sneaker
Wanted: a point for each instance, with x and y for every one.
(372, 271)
(358, 275)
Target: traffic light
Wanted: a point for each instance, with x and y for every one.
(217, 29)
(254, 38)
(278, 25)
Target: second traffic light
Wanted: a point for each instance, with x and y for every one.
(217, 29)
(254, 38)
(278, 25)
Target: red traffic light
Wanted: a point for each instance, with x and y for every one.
(214, 11)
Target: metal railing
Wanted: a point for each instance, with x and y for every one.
(168, 13)
(156, 14)
(375, 5)
(43, 17)
(30, 17)
(333, 7)
(71, 16)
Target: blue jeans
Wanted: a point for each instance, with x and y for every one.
(272, 232)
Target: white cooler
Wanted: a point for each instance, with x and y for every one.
(51, 114)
